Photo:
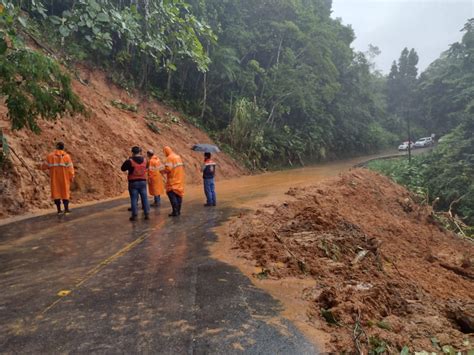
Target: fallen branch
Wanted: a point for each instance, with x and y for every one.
(24, 164)
(360, 255)
(39, 43)
(453, 203)
(357, 333)
(301, 263)
(458, 270)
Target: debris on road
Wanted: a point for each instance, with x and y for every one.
(388, 277)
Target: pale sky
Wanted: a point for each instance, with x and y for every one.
(429, 26)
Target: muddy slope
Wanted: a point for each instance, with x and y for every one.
(98, 145)
(386, 275)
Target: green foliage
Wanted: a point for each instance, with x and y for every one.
(440, 100)
(4, 149)
(377, 346)
(329, 316)
(276, 85)
(384, 325)
(446, 88)
(139, 41)
(280, 85)
(405, 350)
(124, 106)
(153, 127)
(312, 96)
(450, 171)
(32, 84)
(446, 174)
(402, 102)
(401, 171)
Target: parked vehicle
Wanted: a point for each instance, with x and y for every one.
(404, 146)
(424, 142)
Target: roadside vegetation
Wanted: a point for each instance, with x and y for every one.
(444, 102)
(443, 178)
(286, 74)
(32, 83)
(275, 86)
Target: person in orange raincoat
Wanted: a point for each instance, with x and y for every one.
(61, 172)
(156, 185)
(174, 171)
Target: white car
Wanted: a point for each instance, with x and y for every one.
(424, 142)
(404, 146)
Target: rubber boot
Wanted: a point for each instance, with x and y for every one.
(58, 205)
(66, 206)
(175, 211)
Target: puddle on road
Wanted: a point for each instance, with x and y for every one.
(238, 194)
(287, 291)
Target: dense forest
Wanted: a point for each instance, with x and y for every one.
(440, 100)
(275, 82)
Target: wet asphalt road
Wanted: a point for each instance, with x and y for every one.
(144, 287)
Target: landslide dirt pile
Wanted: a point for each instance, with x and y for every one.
(387, 276)
(98, 145)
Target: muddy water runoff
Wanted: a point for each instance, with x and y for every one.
(92, 281)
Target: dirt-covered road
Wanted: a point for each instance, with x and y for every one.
(92, 281)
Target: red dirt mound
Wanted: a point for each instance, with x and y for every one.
(387, 275)
(98, 145)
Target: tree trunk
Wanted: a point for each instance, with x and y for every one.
(204, 96)
(168, 82)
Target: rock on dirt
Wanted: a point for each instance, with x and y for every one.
(98, 143)
(387, 276)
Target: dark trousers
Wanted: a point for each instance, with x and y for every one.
(58, 205)
(135, 189)
(176, 202)
(209, 190)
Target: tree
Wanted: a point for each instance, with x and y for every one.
(446, 87)
(32, 84)
(401, 92)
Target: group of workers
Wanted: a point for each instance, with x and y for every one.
(144, 173)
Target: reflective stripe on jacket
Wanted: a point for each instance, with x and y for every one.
(174, 171)
(208, 169)
(156, 185)
(61, 172)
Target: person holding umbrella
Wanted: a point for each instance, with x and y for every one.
(208, 172)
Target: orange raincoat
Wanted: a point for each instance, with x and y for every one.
(174, 170)
(155, 179)
(61, 172)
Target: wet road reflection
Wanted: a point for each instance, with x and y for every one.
(149, 286)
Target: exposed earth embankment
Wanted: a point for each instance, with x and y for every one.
(98, 145)
(385, 274)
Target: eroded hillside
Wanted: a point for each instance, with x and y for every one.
(98, 145)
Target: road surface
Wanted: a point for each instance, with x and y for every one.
(92, 281)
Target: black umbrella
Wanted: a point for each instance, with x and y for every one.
(206, 148)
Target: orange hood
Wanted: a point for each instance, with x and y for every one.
(168, 151)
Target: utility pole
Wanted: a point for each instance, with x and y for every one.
(409, 136)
